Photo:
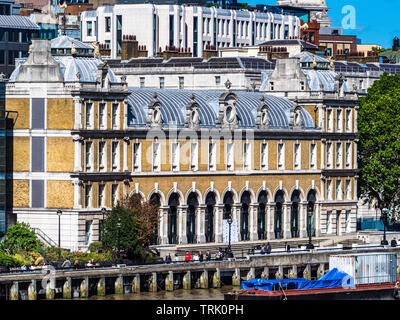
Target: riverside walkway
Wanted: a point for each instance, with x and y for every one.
(120, 279)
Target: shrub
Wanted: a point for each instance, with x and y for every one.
(8, 261)
(20, 237)
(95, 246)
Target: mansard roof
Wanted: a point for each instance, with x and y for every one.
(173, 108)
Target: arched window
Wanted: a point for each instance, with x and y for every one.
(155, 201)
(173, 204)
(244, 216)
(262, 203)
(294, 214)
(279, 199)
(192, 203)
(311, 198)
(228, 202)
(209, 219)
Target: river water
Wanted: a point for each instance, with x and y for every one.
(180, 294)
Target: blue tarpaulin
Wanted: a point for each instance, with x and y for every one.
(332, 279)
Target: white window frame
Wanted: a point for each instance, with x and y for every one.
(89, 159)
(247, 156)
(264, 156)
(329, 191)
(339, 155)
(329, 120)
(338, 190)
(115, 116)
(229, 156)
(194, 155)
(137, 157)
(280, 162)
(142, 82)
(102, 158)
(329, 154)
(212, 156)
(181, 83)
(297, 156)
(114, 194)
(101, 195)
(348, 154)
(88, 196)
(89, 123)
(339, 120)
(348, 190)
(156, 160)
(102, 115)
(349, 120)
(115, 161)
(313, 155)
(175, 156)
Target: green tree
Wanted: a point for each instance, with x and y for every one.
(129, 243)
(379, 146)
(20, 237)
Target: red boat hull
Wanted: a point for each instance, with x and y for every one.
(382, 291)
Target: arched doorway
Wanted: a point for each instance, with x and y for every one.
(155, 200)
(262, 204)
(279, 199)
(311, 198)
(294, 214)
(209, 218)
(228, 202)
(244, 216)
(192, 203)
(173, 204)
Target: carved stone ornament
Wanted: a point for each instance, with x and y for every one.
(295, 115)
(192, 113)
(154, 118)
(262, 114)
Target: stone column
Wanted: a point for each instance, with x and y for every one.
(182, 220)
(119, 285)
(317, 219)
(251, 274)
(279, 273)
(169, 281)
(164, 225)
(200, 224)
(153, 283)
(67, 288)
(339, 219)
(293, 272)
(84, 288)
(136, 284)
(321, 270)
(78, 113)
(77, 152)
(125, 122)
(77, 193)
(50, 292)
(307, 272)
(270, 221)
(265, 273)
(303, 220)
(204, 280)
(187, 283)
(217, 279)
(101, 287)
(14, 291)
(236, 278)
(253, 221)
(286, 221)
(219, 209)
(236, 208)
(32, 292)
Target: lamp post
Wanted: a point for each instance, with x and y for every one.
(59, 213)
(118, 244)
(310, 214)
(384, 217)
(229, 253)
(103, 211)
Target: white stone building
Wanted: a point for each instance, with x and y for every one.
(194, 27)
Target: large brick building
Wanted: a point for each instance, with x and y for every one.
(82, 140)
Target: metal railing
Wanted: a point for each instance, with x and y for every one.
(44, 237)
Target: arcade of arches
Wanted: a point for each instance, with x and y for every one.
(199, 219)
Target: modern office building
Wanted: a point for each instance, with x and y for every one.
(16, 33)
(189, 27)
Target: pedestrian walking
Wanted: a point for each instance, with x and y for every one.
(176, 259)
(287, 247)
(208, 255)
(262, 250)
(201, 256)
(168, 258)
(393, 243)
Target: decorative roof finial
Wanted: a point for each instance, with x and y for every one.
(73, 49)
(228, 84)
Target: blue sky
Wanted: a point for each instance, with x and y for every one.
(377, 21)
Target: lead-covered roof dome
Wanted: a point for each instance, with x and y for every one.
(174, 102)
